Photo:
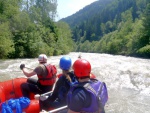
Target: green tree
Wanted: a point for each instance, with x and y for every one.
(64, 43)
(144, 41)
(6, 42)
(146, 23)
(40, 10)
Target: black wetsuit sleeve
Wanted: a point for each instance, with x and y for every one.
(56, 90)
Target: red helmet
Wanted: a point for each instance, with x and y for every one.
(82, 68)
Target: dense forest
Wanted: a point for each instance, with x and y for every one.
(28, 28)
(113, 26)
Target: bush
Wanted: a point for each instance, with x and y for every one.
(144, 51)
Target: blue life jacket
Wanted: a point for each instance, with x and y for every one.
(98, 92)
(15, 104)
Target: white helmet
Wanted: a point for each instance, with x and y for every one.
(42, 58)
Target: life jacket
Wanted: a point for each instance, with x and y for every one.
(98, 92)
(15, 104)
(50, 79)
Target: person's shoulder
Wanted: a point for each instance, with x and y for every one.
(38, 67)
(79, 89)
(61, 79)
(50, 65)
(76, 93)
(80, 94)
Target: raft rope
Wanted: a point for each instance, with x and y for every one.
(13, 88)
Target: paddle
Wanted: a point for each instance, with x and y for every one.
(55, 110)
(79, 55)
(42, 96)
(29, 68)
(58, 109)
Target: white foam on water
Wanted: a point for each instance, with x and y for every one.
(127, 78)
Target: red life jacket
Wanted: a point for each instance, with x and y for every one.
(50, 79)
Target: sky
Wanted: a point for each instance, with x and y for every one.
(68, 7)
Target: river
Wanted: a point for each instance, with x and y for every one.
(127, 78)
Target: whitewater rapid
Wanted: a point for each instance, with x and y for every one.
(127, 78)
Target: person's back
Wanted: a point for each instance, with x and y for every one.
(63, 85)
(84, 97)
(66, 79)
(46, 77)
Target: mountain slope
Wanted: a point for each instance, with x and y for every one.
(86, 12)
(100, 17)
(112, 26)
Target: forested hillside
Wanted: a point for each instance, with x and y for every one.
(27, 29)
(113, 26)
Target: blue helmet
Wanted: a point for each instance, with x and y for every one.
(65, 63)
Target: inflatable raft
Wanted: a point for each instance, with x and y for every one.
(11, 90)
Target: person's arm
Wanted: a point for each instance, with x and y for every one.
(37, 71)
(55, 91)
(70, 111)
(28, 73)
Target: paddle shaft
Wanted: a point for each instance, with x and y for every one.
(79, 56)
(58, 109)
(29, 68)
(46, 93)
